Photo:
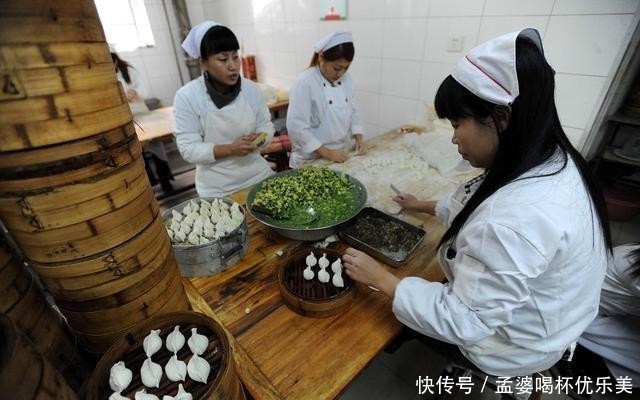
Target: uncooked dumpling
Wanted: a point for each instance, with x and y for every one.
(175, 369)
(198, 369)
(143, 395)
(151, 373)
(308, 273)
(311, 260)
(118, 396)
(176, 216)
(193, 238)
(175, 340)
(323, 275)
(182, 395)
(120, 377)
(323, 262)
(336, 266)
(197, 343)
(152, 343)
(337, 279)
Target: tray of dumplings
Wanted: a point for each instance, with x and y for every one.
(313, 283)
(176, 356)
(208, 235)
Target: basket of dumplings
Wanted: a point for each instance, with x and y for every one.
(208, 235)
(182, 356)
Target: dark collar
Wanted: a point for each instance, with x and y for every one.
(220, 99)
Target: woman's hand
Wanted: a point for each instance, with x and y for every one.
(362, 268)
(411, 203)
(361, 146)
(338, 156)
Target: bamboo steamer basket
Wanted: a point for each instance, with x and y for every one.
(223, 382)
(39, 322)
(101, 275)
(25, 372)
(313, 298)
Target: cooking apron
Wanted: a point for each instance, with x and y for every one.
(334, 130)
(230, 174)
(447, 256)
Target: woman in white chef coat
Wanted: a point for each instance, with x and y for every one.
(526, 245)
(219, 115)
(322, 120)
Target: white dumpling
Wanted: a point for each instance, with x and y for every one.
(323, 275)
(152, 342)
(308, 273)
(150, 373)
(193, 238)
(187, 209)
(215, 216)
(118, 396)
(170, 233)
(185, 228)
(323, 262)
(189, 220)
(209, 225)
(205, 212)
(195, 207)
(235, 207)
(337, 279)
(120, 377)
(176, 215)
(209, 233)
(143, 395)
(196, 230)
(205, 203)
(175, 340)
(223, 205)
(175, 369)
(194, 215)
(175, 225)
(198, 369)
(197, 343)
(311, 259)
(204, 240)
(221, 228)
(336, 266)
(180, 237)
(181, 395)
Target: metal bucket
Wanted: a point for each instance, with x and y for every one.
(215, 256)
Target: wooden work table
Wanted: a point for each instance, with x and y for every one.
(282, 355)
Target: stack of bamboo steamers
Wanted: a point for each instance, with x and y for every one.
(74, 194)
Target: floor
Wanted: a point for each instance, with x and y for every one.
(393, 376)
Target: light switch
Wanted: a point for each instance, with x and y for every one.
(455, 44)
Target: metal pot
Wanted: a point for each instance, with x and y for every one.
(215, 256)
(305, 233)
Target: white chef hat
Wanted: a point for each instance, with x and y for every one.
(332, 39)
(489, 70)
(193, 40)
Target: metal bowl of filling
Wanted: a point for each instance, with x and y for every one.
(306, 204)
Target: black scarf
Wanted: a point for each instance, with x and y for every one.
(219, 99)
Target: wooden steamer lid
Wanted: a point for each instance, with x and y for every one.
(223, 383)
(314, 298)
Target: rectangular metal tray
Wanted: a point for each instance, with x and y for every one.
(378, 253)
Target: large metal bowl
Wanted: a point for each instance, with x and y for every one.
(306, 233)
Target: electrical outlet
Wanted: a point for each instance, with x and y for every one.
(455, 44)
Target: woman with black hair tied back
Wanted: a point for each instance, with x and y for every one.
(219, 116)
(526, 245)
(322, 120)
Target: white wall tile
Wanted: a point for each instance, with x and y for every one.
(518, 7)
(577, 98)
(261, 11)
(441, 30)
(396, 111)
(302, 10)
(367, 37)
(305, 36)
(595, 6)
(432, 76)
(576, 136)
(366, 73)
(492, 27)
(158, 66)
(241, 12)
(586, 44)
(368, 104)
(453, 8)
(371, 131)
(326, 27)
(195, 11)
(164, 43)
(283, 37)
(404, 38)
(400, 78)
(365, 9)
(156, 14)
(406, 8)
(264, 37)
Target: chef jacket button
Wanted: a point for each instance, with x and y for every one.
(346, 100)
(450, 254)
(324, 84)
(339, 83)
(330, 101)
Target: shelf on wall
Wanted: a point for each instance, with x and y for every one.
(609, 155)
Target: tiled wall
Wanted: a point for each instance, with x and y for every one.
(401, 46)
(160, 74)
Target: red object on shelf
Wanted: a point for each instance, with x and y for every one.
(249, 68)
(621, 205)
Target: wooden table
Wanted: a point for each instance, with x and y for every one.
(282, 355)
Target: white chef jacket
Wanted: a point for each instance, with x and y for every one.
(525, 280)
(320, 113)
(615, 333)
(199, 125)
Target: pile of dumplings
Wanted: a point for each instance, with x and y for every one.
(176, 370)
(323, 275)
(201, 222)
